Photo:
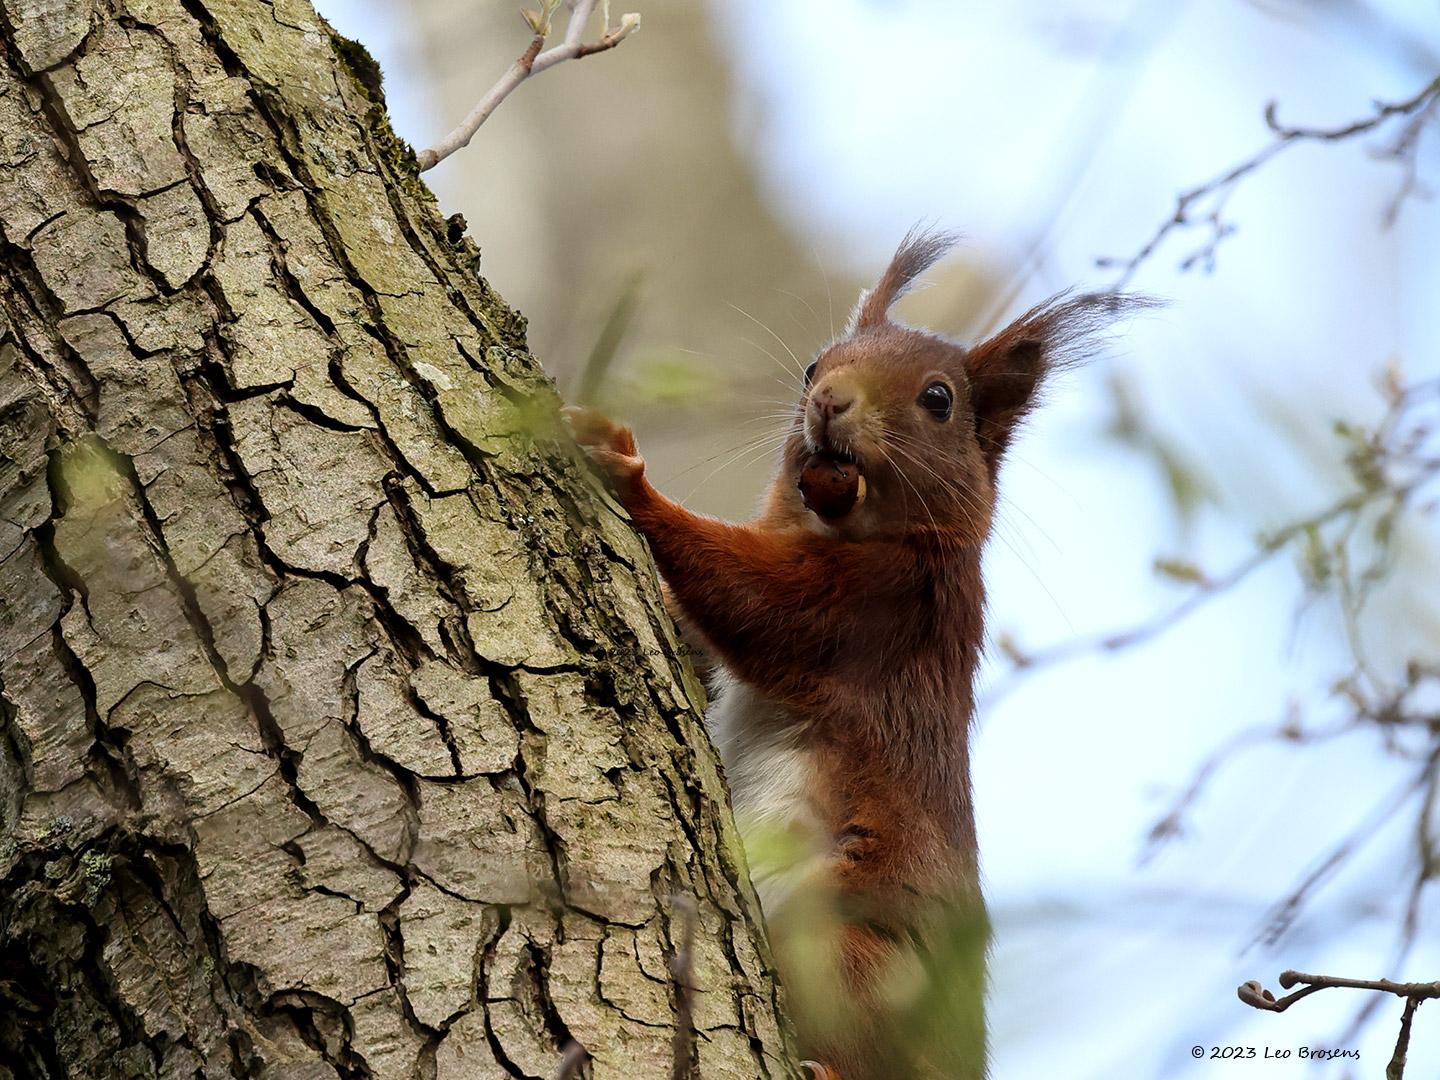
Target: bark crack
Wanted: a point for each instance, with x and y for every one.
(201, 299)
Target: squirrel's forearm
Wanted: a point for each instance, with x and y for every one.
(744, 590)
(775, 604)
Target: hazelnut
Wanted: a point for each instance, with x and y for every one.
(831, 486)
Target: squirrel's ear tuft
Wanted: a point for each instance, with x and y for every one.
(1006, 371)
(919, 251)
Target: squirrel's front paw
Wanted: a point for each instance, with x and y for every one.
(610, 445)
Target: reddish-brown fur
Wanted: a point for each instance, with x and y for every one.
(869, 630)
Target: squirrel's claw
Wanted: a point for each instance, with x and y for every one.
(593, 428)
(608, 444)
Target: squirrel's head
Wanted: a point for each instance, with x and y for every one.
(918, 424)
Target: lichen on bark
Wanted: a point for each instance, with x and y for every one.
(342, 731)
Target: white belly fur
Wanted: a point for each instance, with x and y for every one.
(771, 778)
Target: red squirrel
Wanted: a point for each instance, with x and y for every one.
(846, 624)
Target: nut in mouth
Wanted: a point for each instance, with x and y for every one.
(831, 484)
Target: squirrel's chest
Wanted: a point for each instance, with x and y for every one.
(774, 786)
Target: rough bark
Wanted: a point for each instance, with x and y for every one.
(342, 732)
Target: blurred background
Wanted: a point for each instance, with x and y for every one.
(1244, 478)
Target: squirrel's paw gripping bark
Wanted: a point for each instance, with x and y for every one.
(609, 445)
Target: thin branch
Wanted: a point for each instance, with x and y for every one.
(1409, 932)
(1394, 469)
(1290, 731)
(1405, 151)
(1382, 113)
(1410, 928)
(1389, 469)
(1396, 1069)
(1220, 187)
(1256, 996)
(1205, 589)
(1281, 915)
(531, 62)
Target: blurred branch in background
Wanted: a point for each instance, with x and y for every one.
(1119, 67)
(1343, 550)
(532, 61)
(1204, 206)
(1391, 466)
(607, 342)
(1256, 996)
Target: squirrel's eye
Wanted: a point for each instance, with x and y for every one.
(937, 399)
(810, 372)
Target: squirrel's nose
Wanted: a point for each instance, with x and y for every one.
(828, 404)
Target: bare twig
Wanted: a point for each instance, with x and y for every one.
(1188, 205)
(1290, 731)
(1282, 915)
(1344, 548)
(1256, 996)
(1429, 869)
(531, 62)
(1396, 1069)
(1391, 471)
(1405, 151)
(1206, 588)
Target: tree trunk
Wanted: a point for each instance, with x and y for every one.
(342, 730)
